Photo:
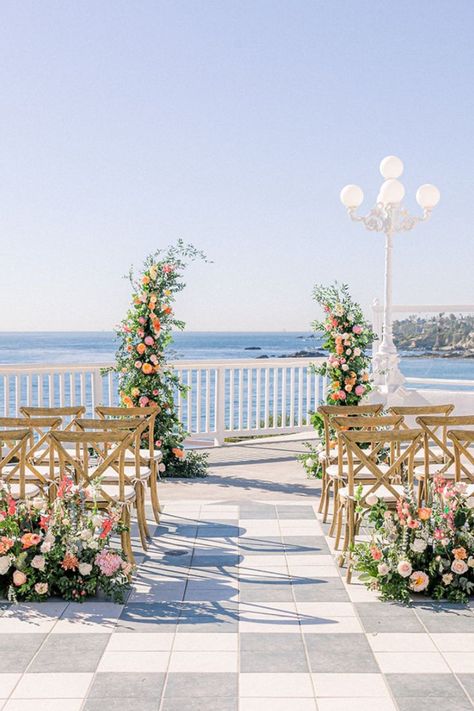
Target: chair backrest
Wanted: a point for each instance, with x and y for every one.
(13, 445)
(435, 429)
(87, 470)
(404, 442)
(410, 413)
(463, 445)
(344, 424)
(38, 449)
(330, 411)
(134, 425)
(148, 413)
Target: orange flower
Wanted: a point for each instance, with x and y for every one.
(336, 385)
(141, 348)
(147, 368)
(157, 325)
(5, 544)
(179, 453)
(365, 377)
(459, 553)
(146, 280)
(70, 562)
(424, 514)
(135, 392)
(30, 539)
(339, 349)
(167, 310)
(127, 401)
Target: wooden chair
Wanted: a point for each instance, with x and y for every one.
(339, 473)
(149, 455)
(353, 496)
(435, 430)
(39, 460)
(410, 414)
(88, 471)
(13, 447)
(67, 414)
(463, 445)
(137, 472)
(327, 412)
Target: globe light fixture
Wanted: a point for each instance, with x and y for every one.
(390, 217)
(351, 196)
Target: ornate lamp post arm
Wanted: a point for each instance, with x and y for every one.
(390, 217)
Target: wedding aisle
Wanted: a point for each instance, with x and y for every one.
(238, 606)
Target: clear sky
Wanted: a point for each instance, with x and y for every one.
(232, 124)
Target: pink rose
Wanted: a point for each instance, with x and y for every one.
(404, 568)
(357, 329)
(41, 588)
(141, 320)
(341, 395)
(149, 341)
(19, 578)
(138, 364)
(359, 390)
(144, 401)
(459, 567)
(419, 581)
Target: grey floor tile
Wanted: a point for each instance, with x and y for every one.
(261, 545)
(272, 653)
(127, 685)
(305, 544)
(387, 617)
(17, 650)
(425, 686)
(220, 560)
(333, 653)
(445, 618)
(206, 703)
(319, 590)
(219, 531)
(295, 512)
(208, 684)
(433, 703)
(121, 704)
(146, 617)
(209, 617)
(70, 653)
(467, 680)
(269, 590)
(257, 512)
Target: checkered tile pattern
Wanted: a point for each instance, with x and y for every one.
(238, 606)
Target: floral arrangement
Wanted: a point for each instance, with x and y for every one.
(427, 550)
(59, 549)
(145, 335)
(347, 336)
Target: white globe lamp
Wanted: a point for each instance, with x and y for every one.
(427, 196)
(391, 167)
(391, 192)
(351, 196)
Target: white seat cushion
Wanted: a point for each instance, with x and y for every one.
(112, 490)
(364, 473)
(110, 474)
(433, 470)
(382, 492)
(31, 489)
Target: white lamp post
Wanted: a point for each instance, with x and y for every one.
(389, 216)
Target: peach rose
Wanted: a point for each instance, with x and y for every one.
(424, 514)
(19, 578)
(30, 539)
(460, 553)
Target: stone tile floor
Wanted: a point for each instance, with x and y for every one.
(238, 606)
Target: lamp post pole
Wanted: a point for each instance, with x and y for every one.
(390, 217)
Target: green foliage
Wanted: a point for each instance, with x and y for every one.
(145, 335)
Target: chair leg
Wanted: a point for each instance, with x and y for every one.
(155, 502)
(351, 538)
(141, 517)
(326, 500)
(323, 492)
(335, 509)
(340, 512)
(125, 537)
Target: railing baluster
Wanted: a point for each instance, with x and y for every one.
(241, 398)
(275, 397)
(300, 397)
(266, 411)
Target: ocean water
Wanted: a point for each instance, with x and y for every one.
(71, 348)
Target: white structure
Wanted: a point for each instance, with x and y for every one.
(389, 216)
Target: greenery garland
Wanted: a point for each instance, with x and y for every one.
(145, 335)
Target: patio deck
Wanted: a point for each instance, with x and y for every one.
(238, 606)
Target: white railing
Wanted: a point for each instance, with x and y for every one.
(225, 398)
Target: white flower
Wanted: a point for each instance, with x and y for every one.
(85, 568)
(5, 563)
(383, 569)
(470, 502)
(470, 562)
(161, 468)
(338, 309)
(460, 487)
(459, 567)
(348, 351)
(371, 499)
(46, 546)
(447, 578)
(38, 562)
(357, 351)
(93, 545)
(97, 520)
(309, 462)
(85, 534)
(404, 568)
(345, 366)
(418, 545)
(322, 456)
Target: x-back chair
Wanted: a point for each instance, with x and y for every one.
(463, 446)
(149, 455)
(13, 447)
(403, 445)
(327, 412)
(111, 448)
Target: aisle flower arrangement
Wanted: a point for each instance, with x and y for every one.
(347, 336)
(428, 550)
(59, 549)
(145, 337)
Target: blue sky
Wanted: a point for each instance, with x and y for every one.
(125, 125)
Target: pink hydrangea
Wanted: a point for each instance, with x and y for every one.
(108, 562)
